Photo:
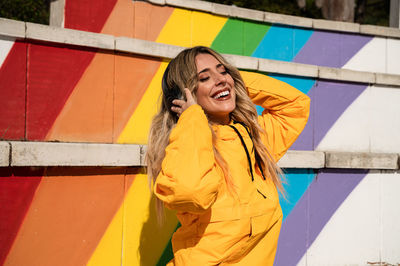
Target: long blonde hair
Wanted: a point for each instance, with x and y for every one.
(183, 74)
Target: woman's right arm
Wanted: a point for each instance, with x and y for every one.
(189, 178)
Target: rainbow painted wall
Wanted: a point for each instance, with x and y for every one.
(105, 216)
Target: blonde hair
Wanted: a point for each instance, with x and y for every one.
(183, 74)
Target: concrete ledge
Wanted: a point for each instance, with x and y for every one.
(361, 160)
(157, 2)
(142, 47)
(282, 67)
(68, 36)
(224, 10)
(387, 79)
(380, 31)
(323, 24)
(197, 5)
(12, 28)
(288, 20)
(302, 159)
(73, 154)
(346, 74)
(243, 62)
(4, 154)
(122, 155)
(239, 12)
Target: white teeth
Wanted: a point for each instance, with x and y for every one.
(221, 94)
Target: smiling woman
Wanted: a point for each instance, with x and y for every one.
(212, 159)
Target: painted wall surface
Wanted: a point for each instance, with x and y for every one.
(51, 92)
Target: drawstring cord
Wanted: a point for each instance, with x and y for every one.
(247, 151)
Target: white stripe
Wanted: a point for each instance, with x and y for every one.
(5, 47)
(372, 57)
(370, 124)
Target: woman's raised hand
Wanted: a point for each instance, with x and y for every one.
(181, 105)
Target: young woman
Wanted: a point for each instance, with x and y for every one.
(213, 159)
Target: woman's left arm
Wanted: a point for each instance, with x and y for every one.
(285, 114)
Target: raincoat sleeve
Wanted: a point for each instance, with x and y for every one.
(189, 178)
(285, 114)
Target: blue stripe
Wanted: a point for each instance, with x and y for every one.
(282, 43)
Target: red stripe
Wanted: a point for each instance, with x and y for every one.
(87, 15)
(17, 188)
(53, 72)
(12, 91)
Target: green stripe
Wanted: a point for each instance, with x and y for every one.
(167, 254)
(240, 37)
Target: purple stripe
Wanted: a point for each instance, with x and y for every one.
(324, 196)
(331, 99)
(331, 49)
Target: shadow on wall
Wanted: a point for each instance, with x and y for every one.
(155, 237)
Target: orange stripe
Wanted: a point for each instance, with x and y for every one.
(88, 113)
(68, 216)
(150, 20)
(133, 76)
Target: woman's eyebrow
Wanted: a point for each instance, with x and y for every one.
(204, 70)
(207, 69)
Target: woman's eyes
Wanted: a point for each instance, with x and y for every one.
(203, 79)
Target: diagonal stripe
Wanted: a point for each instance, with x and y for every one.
(282, 42)
(17, 188)
(330, 48)
(108, 251)
(6, 44)
(61, 70)
(87, 115)
(189, 28)
(137, 128)
(297, 183)
(12, 91)
(325, 194)
(86, 15)
(83, 203)
(331, 100)
(239, 37)
(144, 239)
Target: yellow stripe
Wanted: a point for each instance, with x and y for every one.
(134, 225)
(108, 251)
(144, 239)
(190, 28)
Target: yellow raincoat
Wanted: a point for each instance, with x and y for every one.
(217, 228)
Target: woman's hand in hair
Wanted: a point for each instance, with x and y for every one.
(181, 105)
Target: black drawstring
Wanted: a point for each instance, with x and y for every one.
(247, 152)
(245, 149)
(256, 154)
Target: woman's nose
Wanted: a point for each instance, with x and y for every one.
(220, 79)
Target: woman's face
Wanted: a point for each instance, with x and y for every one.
(215, 90)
